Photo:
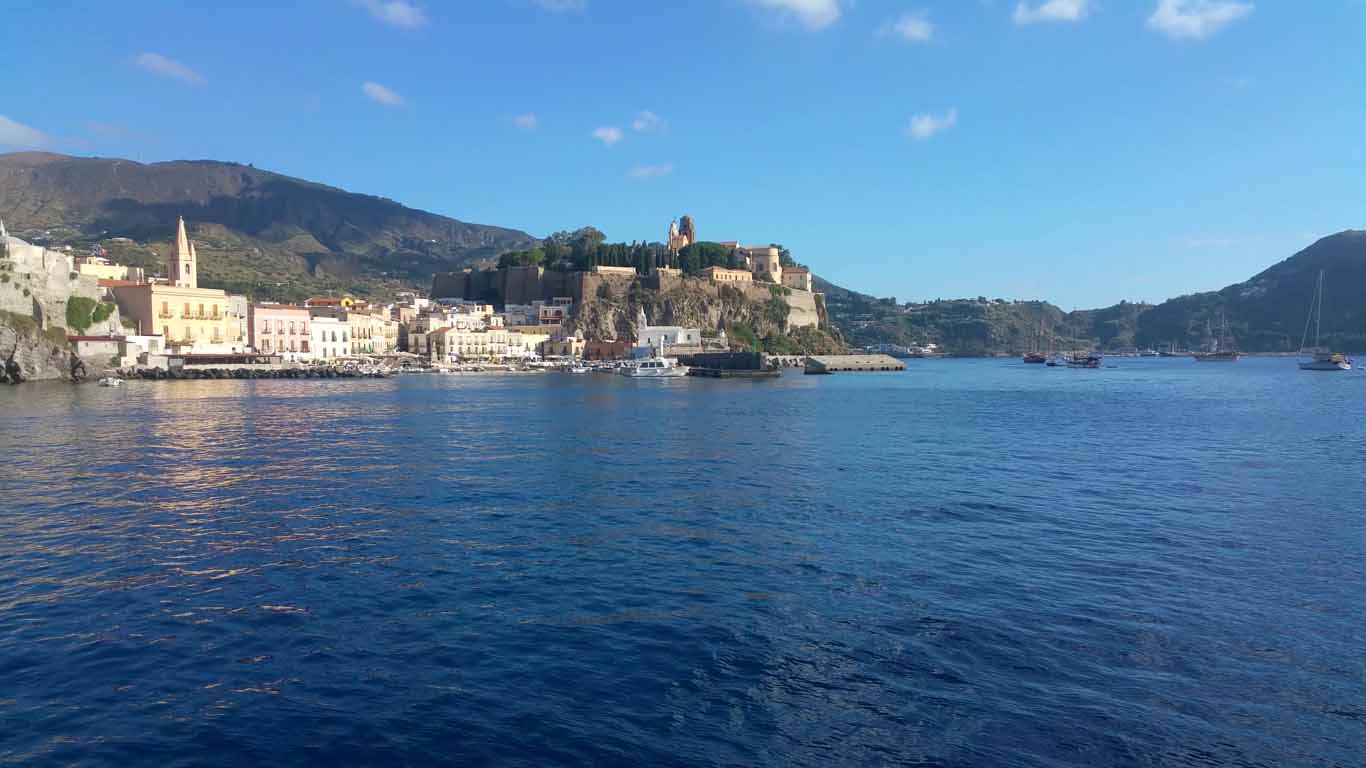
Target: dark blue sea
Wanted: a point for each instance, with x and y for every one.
(971, 563)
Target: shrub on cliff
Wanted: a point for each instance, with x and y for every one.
(79, 313)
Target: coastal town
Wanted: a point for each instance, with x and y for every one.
(153, 325)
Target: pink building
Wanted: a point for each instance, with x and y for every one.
(279, 329)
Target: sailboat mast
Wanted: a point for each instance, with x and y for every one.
(1318, 316)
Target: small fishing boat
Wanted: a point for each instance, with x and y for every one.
(110, 381)
(1321, 358)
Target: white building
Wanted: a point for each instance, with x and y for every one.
(329, 337)
(661, 338)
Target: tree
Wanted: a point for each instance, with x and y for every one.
(784, 255)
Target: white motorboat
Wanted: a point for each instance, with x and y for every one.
(110, 381)
(655, 368)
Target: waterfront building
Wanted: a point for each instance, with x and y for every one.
(526, 346)
(281, 329)
(191, 319)
(797, 278)
(561, 346)
(329, 337)
(724, 275)
(606, 350)
(663, 338)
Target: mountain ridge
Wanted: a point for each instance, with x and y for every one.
(305, 232)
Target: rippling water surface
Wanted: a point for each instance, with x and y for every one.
(970, 563)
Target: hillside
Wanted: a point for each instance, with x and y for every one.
(1265, 314)
(260, 232)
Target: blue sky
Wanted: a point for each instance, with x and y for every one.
(1081, 151)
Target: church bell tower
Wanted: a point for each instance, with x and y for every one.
(182, 264)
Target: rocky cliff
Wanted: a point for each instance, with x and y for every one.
(781, 322)
(42, 298)
(28, 353)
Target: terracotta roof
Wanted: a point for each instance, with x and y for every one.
(795, 269)
(109, 282)
(730, 243)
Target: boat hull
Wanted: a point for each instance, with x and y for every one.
(657, 373)
(1326, 365)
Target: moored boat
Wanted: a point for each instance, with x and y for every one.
(1321, 358)
(1085, 361)
(1222, 349)
(654, 368)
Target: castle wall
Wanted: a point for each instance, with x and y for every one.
(40, 282)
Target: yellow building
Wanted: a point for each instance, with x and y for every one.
(723, 275)
(103, 269)
(188, 318)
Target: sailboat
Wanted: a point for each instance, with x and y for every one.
(1036, 355)
(1222, 349)
(1322, 359)
(1079, 359)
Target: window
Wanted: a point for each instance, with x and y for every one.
(201, 310)
(186, 313)
(165, 309)
(291, 327)
(280, 326)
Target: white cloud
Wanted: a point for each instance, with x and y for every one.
(527, 122)
(911, 27)
(648, 122)
(1050, 10)
(813, 14)
(652, 171)
(608, 135)
(19, 136)
(1196, 19)
(562, 6)
(396, 13)
(380, 94)
(158, 64)
(926, 125)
